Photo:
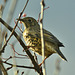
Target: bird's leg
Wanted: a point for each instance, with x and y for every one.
(42, 61)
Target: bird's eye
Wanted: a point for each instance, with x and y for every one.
(29, 20)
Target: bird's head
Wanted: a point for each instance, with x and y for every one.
(28, 22)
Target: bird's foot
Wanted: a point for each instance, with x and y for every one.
(42, 61)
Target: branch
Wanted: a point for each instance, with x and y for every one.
(2, 68)
(15, 25)
(42, 35)
(17, 65)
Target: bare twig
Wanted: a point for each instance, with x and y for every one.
(17, 65)
(15, 25)
(15, 51)
(19, 27)
(2, 68)
(40, 13)
(42, 36)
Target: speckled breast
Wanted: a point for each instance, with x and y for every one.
(35, 45)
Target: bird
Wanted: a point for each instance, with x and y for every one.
(32, 37)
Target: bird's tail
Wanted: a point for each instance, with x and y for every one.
(61, 55)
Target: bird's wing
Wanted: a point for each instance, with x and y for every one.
(49, 37)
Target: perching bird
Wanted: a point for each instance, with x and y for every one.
(32, 38)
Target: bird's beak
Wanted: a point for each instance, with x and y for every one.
(20, 20)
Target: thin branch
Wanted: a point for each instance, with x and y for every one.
(42, 35)
(2, 68)
(15, 25)
(17, 65)
(40, 13)
(15, 51)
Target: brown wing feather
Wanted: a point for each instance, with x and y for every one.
(51, 38)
